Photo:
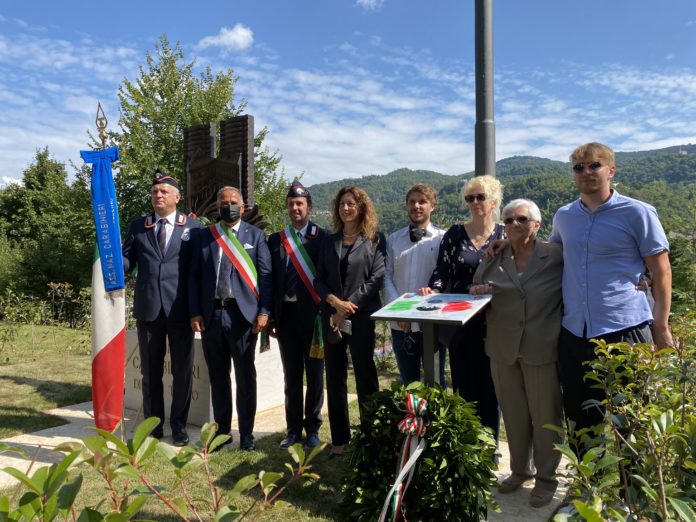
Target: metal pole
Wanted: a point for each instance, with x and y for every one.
(485, 123)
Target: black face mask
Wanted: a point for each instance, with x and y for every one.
(415, 233)
(230, 213)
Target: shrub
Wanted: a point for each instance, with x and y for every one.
(51, 490)
(454, 474)
(644, 465)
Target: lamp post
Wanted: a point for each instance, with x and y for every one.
(485, 123)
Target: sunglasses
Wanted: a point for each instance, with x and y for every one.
(580, 167)
(522, 220)
(470, 198)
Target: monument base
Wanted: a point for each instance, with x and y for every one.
(270, 381)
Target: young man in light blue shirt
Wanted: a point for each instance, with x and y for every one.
(608, 240)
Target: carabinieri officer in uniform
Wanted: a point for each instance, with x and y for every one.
(295, 319)
(159, 244)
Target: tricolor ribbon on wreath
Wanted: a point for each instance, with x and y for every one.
(414, 427)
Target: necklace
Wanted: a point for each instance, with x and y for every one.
(350, 236)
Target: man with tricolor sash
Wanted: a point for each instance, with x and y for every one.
(295, 320)
(159, 245)
(230, 288)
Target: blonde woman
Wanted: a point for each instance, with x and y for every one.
(461, 251)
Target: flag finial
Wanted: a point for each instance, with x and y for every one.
(101, 123)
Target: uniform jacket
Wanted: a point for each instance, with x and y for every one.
(312, 243)
(524, 316)
(203, 275)
(161, 283)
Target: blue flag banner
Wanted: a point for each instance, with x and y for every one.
(106, 216)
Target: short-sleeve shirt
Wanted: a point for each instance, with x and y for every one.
(603, 255)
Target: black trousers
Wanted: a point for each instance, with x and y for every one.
(228, 339)
(471, 371)
(362, 346)
(295, 341)
(152, 341)
(573, 352)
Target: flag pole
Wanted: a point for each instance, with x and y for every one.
(101, 122)
(108, 288)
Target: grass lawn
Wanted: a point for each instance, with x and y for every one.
(41, 368)
(46, 367)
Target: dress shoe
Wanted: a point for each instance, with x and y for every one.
(180, 438)
(157, 433)
(247, 443)
(513, 483)
(542, 494)
(292, 438)
(312, 440)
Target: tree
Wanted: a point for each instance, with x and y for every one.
(156, 107)
(48, 226)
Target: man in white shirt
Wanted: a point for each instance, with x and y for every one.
(411, 257)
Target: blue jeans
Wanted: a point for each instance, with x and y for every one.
(408, 348)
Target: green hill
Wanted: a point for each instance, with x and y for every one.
(665, 178)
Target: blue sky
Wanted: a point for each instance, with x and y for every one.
(350, 88)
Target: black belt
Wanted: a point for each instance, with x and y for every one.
(224, 302)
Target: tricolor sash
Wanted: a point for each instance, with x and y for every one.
(235, 252)
(300, 258)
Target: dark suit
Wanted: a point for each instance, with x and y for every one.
(161, 311)
(361, 286)
(294, 323)
(227, 334)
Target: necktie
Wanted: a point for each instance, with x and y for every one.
(223, 289)
(291, 277)
(162, 234)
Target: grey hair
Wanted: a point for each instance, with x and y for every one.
(532, 208)
(227, 188)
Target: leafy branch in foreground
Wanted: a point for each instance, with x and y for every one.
(644, 465)
(51, 490)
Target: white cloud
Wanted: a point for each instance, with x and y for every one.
(238, 38)
(361, 110)
(6, 181)
(370, 5)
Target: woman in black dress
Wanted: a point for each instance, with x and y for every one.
(461, 251)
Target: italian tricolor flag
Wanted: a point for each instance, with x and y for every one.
(108, 350)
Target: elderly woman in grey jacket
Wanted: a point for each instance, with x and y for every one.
(523, 324)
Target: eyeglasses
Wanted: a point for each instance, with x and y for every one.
(522, 220)
(470, 198)
(580, 167)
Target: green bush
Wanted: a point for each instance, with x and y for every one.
(50, 492)
(63, 306)
(643, 464)
(454, 474)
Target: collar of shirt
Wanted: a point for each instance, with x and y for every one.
(171, 218)
(607, 204)
(303, 231)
